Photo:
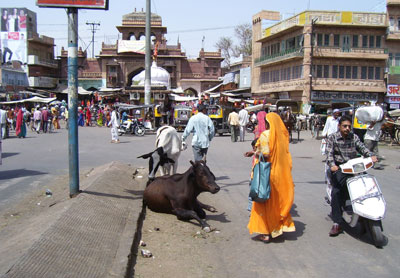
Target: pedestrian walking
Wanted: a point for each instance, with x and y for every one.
(233, 122)
(272, 217)
(243, 121)
(203, 132)
(37, 118)
(114, 122)
(3, 123)
(371, 139)
(45, 119)
(20, 129)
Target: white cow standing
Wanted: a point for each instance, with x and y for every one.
(168, 149)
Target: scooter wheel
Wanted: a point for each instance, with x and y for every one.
(140, 131)
(376, 233)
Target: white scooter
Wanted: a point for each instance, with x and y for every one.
(366, 204)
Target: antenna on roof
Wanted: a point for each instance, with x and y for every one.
(202, 42)
(308, 5)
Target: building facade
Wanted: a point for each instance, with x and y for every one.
(321, 57)
(393, 46)
(117, 64)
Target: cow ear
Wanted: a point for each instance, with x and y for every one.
(191, 162)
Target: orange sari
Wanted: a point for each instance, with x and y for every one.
(273, 216)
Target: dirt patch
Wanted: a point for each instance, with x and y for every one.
(178, 248)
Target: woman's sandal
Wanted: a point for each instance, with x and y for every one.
(262, 238)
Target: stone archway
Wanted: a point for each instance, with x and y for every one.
(132, 74)
(191, 92)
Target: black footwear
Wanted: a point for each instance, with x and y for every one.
(262, 238)
(335, 230)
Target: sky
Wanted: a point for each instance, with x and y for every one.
(188, 20)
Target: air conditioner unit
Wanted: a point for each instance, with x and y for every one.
(134, 96)
(158, 96)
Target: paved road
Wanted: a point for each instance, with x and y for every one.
(308, 252)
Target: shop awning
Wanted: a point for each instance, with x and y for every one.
(32, 99)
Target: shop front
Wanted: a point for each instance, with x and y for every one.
(392, 97)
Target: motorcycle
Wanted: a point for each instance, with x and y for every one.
(132, 126)
(366, 205)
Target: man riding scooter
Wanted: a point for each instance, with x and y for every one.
(341, 147)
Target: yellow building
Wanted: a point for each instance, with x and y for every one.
(320, 57)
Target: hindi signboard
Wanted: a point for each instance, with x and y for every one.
(393, 90)
(82, 4)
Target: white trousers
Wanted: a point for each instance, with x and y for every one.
(114, 133)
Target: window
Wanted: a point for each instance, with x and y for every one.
(326, 40)
(370, 72)
(398, 23)
(355, 40)
(319, 39)
(397, 59)
(326, 71)
(378, 73)
(336, 40)
(378, 41)
(319, 71)
(348, 72)
(301, 71)
(288, 74)
(365, 41)
(341, 71)
(390, 60)
(334, 71)
(371, 41)
(391, 23)
(355, 73)
(363, 72)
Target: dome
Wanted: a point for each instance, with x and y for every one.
(159, 76)
(136, 17)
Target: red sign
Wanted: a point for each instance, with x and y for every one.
(393, 90)
(86, 4)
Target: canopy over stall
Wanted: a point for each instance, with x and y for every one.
(32, 99)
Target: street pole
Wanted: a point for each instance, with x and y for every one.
(73, 102)
(93, 29)
(313, 21)
(147, 80)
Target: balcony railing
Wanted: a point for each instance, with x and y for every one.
(351, 51)
(91, 75)
(35, 60)
(267, 59)
(191, 75)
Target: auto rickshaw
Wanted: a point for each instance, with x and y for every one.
(219, 116)
(182, 115)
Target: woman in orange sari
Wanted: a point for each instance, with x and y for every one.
(272, 217)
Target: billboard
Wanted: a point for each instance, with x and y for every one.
(13, 47)
(87, 4)
(13, 20)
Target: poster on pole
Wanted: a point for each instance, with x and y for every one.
(81, 4)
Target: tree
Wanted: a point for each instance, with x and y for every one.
(227, 49)
(243, 33)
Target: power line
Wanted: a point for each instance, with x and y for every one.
(93, 26)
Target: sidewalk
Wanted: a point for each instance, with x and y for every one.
(94, 235)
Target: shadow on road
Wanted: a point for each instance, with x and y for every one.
(110, 195)
(5, 155)
(218, 217)
(19, 173)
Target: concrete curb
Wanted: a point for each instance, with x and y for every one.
(95, 236)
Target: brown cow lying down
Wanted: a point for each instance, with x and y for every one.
(177, 194)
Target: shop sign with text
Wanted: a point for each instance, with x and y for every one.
(343, 96)
(393, 90)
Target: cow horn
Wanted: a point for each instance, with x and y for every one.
(191, 162)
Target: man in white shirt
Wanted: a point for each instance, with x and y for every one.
(243, 120)
(371, 139)
(203, 132)
(332, 123)
(114, 123)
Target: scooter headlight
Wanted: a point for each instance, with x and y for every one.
(359, 167)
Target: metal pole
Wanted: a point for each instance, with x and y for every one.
(313, 21)
(73, 101)
(147, 81)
